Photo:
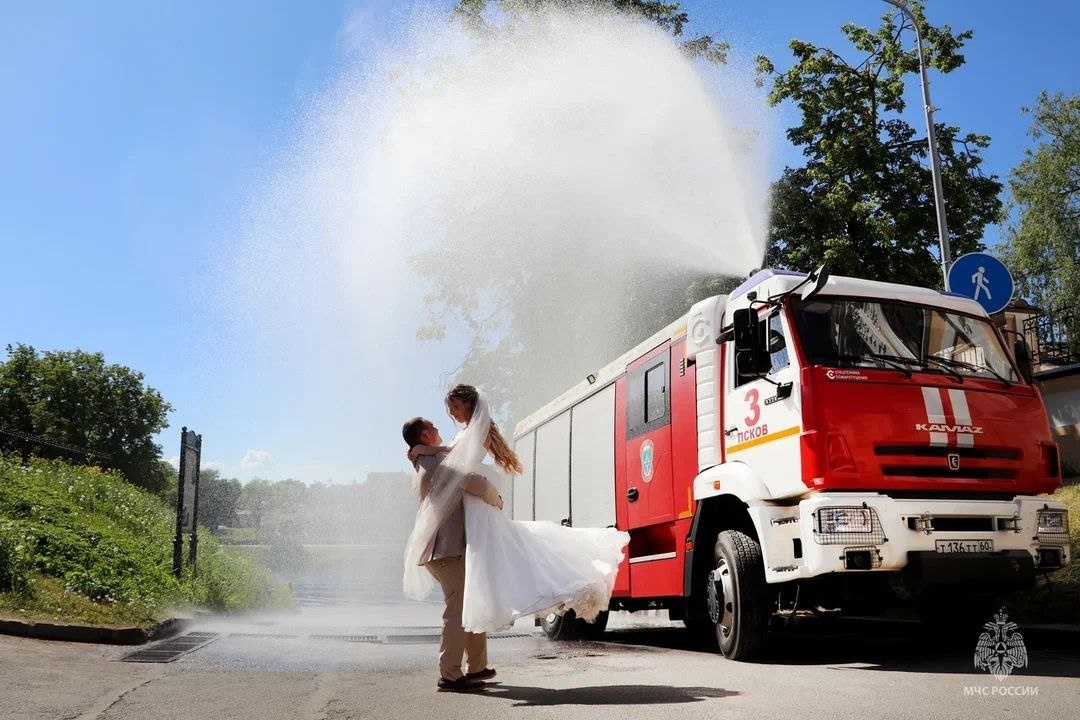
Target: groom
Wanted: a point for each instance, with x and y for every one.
(445, 560)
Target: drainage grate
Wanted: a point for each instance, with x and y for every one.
(403, 639)
(503, 636)
(347, 638)
(169, 650)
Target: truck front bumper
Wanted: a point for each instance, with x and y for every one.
(941, 540)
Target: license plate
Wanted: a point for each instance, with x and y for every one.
(963, 546)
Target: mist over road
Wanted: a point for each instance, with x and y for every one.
(379, 661)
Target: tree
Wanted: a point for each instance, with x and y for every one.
(219, 499)
(863, 202)
(710, 286)
(1043, 242)
(513, 305)
(164, 480)
(667, 15)
(255, 499)
(81, 408)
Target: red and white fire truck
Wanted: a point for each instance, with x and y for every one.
(807, 442)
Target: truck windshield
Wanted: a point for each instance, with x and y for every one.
(843, 332)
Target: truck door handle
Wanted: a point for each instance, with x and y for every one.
(731, 430)
(632, 494)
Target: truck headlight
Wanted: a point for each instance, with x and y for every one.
(839, 524)
(1053, 522)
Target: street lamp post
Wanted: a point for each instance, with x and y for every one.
(931, 138)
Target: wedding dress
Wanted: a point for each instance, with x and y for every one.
(512, 568)
(518, 568)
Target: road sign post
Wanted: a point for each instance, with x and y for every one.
(983, 278)
(187, 498)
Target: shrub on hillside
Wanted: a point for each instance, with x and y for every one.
(15, 559)
(112, 542)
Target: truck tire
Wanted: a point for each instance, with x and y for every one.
(738, 604)
(570, 627)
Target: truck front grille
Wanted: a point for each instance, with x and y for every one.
(941, 451)
(935, 471)
(949, 462)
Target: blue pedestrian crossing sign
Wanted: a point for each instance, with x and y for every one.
(984, 279)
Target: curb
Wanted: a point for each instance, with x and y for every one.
(92, 633)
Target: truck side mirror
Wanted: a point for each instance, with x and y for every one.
(1023, 359)
(747, 329)
(751, 344)
(817, 283)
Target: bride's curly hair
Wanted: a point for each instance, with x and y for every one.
(501, 451)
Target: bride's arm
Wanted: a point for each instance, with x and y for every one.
(418, 451)
(476, 484)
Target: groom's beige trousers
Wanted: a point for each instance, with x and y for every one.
(449, 572)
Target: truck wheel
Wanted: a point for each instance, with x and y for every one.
(738, 606)
(569, 626)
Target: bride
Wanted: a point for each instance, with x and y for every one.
(512, 568)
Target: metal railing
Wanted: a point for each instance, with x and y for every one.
(1054, 337)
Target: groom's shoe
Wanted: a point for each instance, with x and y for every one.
(485, 674)
(462, 684)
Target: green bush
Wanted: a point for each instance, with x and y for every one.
(16, 562)
(107, 540)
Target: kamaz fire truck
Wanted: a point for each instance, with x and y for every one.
(806, 442)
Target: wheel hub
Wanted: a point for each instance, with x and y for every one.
(721, 598)
(713, 597)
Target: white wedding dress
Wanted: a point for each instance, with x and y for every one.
(512, 568)
(518, 568)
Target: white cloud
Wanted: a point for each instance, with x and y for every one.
(256, 459)
(214, 465)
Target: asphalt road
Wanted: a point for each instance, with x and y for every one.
(379, 662)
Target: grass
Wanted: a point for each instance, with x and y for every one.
(81, 545)
(48, 600)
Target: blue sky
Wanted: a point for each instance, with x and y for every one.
(134, 135)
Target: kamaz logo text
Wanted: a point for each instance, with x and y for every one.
(942, 427)
(934, 427)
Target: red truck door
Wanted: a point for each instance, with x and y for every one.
(647, 493)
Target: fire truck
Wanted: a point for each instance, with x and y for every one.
(806, 443)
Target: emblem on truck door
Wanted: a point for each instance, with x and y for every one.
(646, 460)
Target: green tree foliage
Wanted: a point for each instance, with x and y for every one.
(710, 286)
(667, 15)
(380, 510)
(76, 399)
(256, 498)
(164, 479)
(219, 497)
(863, 202)
(1043, 243)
